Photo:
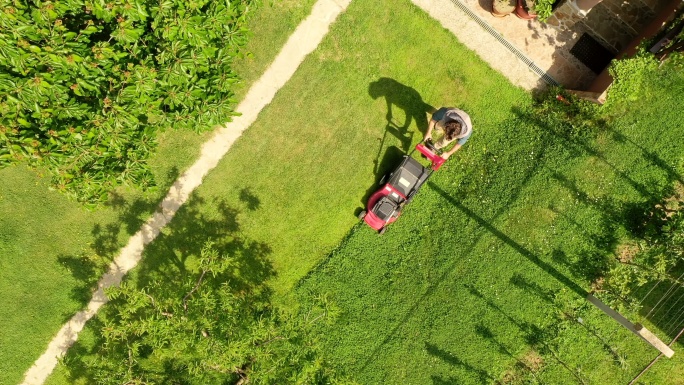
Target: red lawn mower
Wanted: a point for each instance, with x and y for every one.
(385, 205)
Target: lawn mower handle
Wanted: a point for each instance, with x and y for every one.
(430, 152)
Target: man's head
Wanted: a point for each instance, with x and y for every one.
(453, 129)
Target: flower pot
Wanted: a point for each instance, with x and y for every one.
(501, 8)
(524, 10)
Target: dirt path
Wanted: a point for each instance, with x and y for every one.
(303, 41)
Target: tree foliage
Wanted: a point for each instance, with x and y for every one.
(655, 257)
(85, 85)
(216, 327)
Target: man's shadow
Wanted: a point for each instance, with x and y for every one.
(415, 109)
(407, 99)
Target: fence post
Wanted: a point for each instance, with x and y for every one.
(637, 329)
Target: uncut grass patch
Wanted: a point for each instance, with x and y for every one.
(483, 278)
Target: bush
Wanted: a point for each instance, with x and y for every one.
(629, 76)
(85, 86)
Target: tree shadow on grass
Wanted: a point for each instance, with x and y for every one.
(196, 222)
(108, 239)
(170, 265)
(249, 198)
(131, 215)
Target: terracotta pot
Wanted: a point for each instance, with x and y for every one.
(501, 8)
(521, 10)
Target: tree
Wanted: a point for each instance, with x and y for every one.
(214, 328)
(86, 85)
(653, 260)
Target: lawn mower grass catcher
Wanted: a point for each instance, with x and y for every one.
(385, 205)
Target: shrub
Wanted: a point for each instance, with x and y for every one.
(629, 76)
(86, 85)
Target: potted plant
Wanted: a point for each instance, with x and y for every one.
(525, 9)
(501, 8)
(544, 9)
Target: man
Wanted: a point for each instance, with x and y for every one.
(451, 124)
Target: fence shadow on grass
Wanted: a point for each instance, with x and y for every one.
(515, 188)
(519, 366)
(534, 336)
(560, 277)
(483, 376)
(650, 156)
(634, 216)
(578, 146)
(547, 296)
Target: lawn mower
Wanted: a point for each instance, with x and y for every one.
(384, 206)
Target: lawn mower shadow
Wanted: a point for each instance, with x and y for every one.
(381, 168)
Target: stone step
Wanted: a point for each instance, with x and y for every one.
(634, 13)
(608, 27)
(654, 5)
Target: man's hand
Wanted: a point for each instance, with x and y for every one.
(428, 134)
(447, 154)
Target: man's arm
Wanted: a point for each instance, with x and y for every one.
(431, 126)
(451, 152)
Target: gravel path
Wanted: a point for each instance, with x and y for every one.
(303, 41)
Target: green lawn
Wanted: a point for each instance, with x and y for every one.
(482, 279)
(52, 250)
(478, 280)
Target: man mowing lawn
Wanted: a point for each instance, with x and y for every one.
(450, 124)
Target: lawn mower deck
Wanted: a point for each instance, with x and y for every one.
(384, 206)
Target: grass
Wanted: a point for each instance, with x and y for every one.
(481, 279)
(50, 262)
(52, 250)
(176, 151)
